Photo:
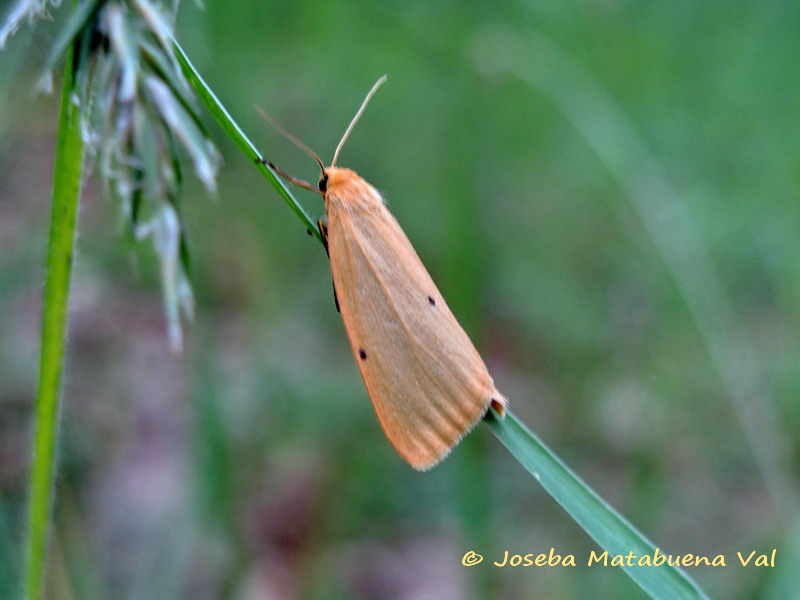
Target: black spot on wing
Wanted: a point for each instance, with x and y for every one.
(431, 301)
(363, 354)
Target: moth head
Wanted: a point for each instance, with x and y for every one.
(322, 186)
(337, 177)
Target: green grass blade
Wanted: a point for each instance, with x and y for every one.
(606, 526)
(75, 23)
(233, 130)
(67, 179)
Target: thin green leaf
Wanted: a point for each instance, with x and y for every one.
(165, 229)
(146, 148)
(76, 22)
(233, 130)
(123, 43)
(184, 128)
(159, 23)
(68, 176)
(84, 66)
(158, 61)
(606, 526)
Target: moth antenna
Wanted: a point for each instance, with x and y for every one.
(291, 138)
(355, 119)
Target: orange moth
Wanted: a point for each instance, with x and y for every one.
(428, 384)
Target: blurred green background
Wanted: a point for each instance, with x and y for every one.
(606, 193)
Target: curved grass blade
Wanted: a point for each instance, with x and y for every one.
(604, 524)
(233, 130)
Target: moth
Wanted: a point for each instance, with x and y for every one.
(428, 384)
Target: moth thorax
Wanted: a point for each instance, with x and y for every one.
(348, 191)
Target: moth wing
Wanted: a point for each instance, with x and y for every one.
(428, 384)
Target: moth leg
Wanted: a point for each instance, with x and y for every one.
(323, 231)
(335, 297)
(286, 176)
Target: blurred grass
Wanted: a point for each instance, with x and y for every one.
(665, 217)
(572, 303)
